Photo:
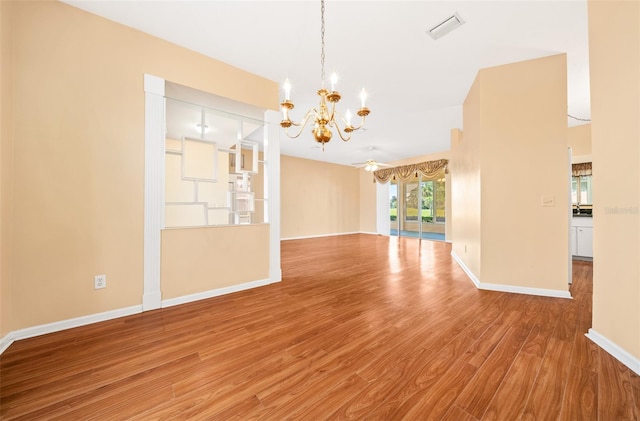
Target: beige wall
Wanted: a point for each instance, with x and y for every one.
(421, 158)
(614, 58)
(318, 198)
(367, 191)
(78, 174)
(465, 180)
(525, 158)
(6, 142)
(202, 259)
(514, 125)
(580, 141)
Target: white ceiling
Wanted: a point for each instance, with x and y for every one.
(416, 85)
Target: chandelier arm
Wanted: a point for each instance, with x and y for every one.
(361, 124)
(302, 124)
(344, 120)
(345, 138)
(334, 112)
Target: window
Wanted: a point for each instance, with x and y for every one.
(393, 201)
(581, 190)
(411, 201)
(433, 198)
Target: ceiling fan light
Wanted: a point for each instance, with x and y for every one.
(371, 166)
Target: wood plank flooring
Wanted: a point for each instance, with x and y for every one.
(361, 327)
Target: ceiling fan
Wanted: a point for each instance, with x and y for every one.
(371, 164)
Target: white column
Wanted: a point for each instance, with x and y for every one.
(272, 152)
(154, 145)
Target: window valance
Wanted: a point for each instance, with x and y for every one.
(581, 169)
(430, 170)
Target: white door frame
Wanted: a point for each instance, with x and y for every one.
(154, 183)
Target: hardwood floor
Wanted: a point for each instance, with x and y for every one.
(361, 327)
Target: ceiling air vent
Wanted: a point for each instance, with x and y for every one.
(446, 26)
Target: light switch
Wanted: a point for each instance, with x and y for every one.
(548, 201)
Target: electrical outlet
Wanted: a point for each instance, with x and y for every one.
(100, 281)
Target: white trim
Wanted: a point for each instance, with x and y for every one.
(154, 140)
(150, 300)
(370, 233)
(304, 237)
(6, 342)
(66, 324)
(214, 293)
(554, 293)
(615, 350)
(570, 216)
(154, 85)
(383, 223)
(272, 191)
(466, 269)
(509, 288)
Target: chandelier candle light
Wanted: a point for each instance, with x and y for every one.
(324, 119)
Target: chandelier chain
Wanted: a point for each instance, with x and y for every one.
(322, 38)
(326, 117)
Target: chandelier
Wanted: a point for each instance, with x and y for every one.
(326, 117)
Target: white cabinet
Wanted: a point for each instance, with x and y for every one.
(584, 241)
(582, 237)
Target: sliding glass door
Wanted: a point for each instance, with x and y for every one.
(417, 208)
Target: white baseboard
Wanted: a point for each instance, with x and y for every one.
(66, 324)
(304, 237)
(466, 269)
(114, 314)
(612, 348)
(170, 302)
(6, 342)
(554, 293)
(509, 288)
